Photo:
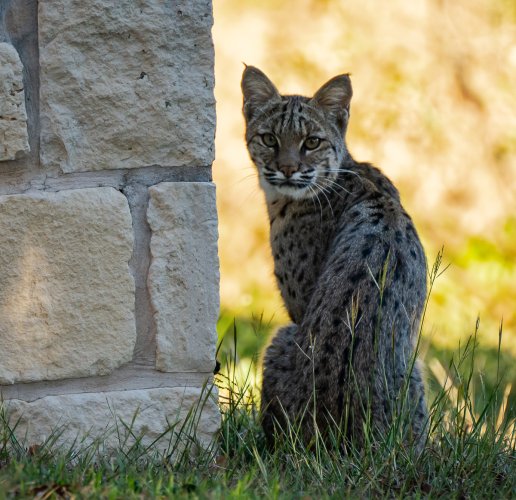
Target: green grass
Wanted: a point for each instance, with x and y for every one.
(471, 452)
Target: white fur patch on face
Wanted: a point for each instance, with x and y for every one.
(299, 185)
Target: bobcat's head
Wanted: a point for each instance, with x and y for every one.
(297, 143)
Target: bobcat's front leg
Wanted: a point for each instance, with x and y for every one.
(279, 380)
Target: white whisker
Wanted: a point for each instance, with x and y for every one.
(318, 200)
(343, 170)
(327, 199)
(331, 183)
(335, 191)
(242, 179)
(325, 193)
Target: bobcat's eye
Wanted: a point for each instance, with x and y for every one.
(269, 140)
(312, 143)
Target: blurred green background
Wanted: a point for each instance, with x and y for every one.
(434, 107)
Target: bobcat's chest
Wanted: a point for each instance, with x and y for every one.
(299, 243)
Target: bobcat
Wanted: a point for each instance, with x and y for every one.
(349, 265)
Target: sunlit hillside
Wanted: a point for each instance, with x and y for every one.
(434, 107)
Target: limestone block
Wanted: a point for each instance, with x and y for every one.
(90, 416)
(66, 294)
(126, 84)
(13, 117)
(184, 274)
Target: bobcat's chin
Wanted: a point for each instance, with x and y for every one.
(297, 191)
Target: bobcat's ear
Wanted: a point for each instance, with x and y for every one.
(334, 97)
(257, 90)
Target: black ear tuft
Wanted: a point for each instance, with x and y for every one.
(257, 90)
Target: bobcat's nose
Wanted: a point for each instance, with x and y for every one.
(288, 170)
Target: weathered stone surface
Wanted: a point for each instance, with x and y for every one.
(13, 118)
(126, 84)
(183, 275)
(66, 294)
(92, 415)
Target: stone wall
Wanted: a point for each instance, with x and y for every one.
(108, 226)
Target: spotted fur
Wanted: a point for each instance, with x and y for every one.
(349, 265)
